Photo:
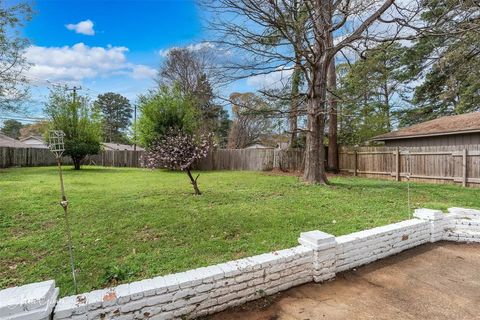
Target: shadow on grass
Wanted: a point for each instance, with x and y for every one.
(98, 169)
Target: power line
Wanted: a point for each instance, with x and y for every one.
(20, 118)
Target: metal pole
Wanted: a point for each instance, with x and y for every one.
(135, 128)
(64, 204)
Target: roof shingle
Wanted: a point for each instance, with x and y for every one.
(462, 123)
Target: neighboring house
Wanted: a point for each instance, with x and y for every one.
(6, 141)
(34, 142)
(458, 130)
(119, 146)
(279, 141)
(258, 146)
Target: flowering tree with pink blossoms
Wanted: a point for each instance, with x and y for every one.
(178, 150)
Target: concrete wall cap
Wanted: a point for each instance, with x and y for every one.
(428, 214)
(317, 240)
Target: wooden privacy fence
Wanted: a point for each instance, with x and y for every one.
(116, 158)
(218, 159)
(431, 164)
(27, 157)
(452, 164)
(34, 157)
(252, 159)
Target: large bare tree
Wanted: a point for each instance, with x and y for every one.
(242, 26)
(249, 121)
(13, 64)
(191, 70)
(186, 68)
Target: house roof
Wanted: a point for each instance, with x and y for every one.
(258, 146)
(6, 141)
(119, 146)
(35, 142)
(448, 125)
(38, 138)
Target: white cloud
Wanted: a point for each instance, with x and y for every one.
(274, 80)
(200, 46)
(78, 62)
(193, 47)
(83, 27)
(143, 72)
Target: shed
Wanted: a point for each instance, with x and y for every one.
(457, 130)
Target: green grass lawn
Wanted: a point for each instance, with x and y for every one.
(144, 223)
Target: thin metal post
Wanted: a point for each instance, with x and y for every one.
(135, 128)
(64, 204)
(57, 147)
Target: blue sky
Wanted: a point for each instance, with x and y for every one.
(142, 26)
(107, 45)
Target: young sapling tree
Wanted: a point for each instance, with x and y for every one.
(178, 150)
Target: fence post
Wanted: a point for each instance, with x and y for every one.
(355, 162)
(397, 161)
(464, 167)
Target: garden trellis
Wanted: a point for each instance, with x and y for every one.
(57, 147)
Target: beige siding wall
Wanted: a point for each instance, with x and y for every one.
(448, 140)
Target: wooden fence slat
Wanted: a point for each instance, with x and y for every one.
(397, 164)
(464, 166)
(355, 163)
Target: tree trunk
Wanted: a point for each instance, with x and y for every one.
(314, 152)
(296, 77)
(332, 101)
(193, 181)
(76, 162)
(332, 124)
(387, 107)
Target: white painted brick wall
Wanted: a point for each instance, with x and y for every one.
(463, 225)
(438, 222)
(324, 248)
(215, 288)
(33, 301)
(196, 292)
(363, 247)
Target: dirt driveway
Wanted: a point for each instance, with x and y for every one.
(434, 281)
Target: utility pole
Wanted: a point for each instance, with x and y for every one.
(74, 89)
(135, 127)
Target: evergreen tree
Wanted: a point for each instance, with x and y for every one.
(446, 61)
(370, 90)
(116, 113)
